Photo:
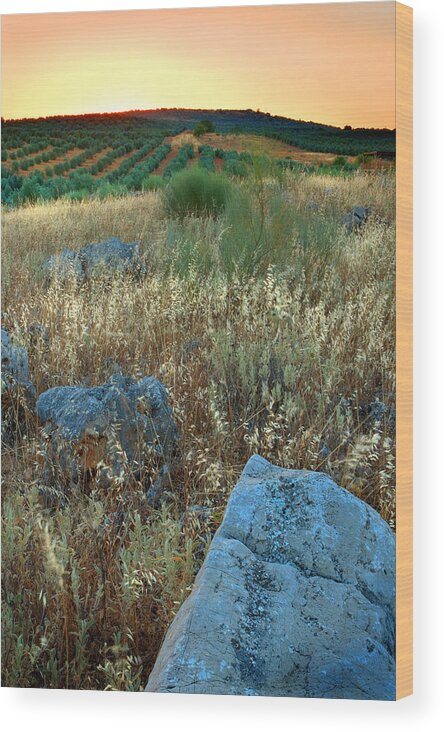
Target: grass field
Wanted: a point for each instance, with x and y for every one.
(274, 332)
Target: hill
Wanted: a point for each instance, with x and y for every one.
(305, 134)
(77, 156)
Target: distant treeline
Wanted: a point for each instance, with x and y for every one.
(341, 142)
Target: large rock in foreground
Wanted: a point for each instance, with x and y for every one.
(18, 392)
(296, 596)
(109, 431)
(104, 259)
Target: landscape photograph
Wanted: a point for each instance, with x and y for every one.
(198, 312)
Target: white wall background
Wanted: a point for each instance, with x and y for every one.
(54, 710)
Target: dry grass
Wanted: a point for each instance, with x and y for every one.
(258, 145)
(285, 364)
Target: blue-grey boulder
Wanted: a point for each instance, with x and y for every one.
(18, 392)
(102, 260)
(296, 596)
(112, 432)
(64, 267)
(111, 257)
(355, 218)
(14, 361)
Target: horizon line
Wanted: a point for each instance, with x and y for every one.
(188, 109)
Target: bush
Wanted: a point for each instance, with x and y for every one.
(110, 190)
(153, 183)
(202, 127)
(196, 191)
(234, 163)
(30, 190)
(340, 161)
(257, 232)
(83, 181)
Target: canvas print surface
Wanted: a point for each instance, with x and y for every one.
(198, 351)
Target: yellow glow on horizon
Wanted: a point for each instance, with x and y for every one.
(332, 63)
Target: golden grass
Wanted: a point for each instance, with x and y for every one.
(285, 364)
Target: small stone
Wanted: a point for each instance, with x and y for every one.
(355, 218)
(190, 346)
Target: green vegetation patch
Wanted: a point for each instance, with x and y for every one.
(196, 191)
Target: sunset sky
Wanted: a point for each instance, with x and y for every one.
(327, 63)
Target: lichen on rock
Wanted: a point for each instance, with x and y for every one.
(296, 596)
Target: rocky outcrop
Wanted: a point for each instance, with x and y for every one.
(296, 596)
(18, 392)
(111, 257)
(14, 362)
(110, 432)
(64, 267)
(104, 259)
(355, 218)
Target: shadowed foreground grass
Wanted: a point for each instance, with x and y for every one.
(284, 354)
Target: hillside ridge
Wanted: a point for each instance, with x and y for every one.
(191, 113)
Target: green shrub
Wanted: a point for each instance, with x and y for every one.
(257, 231)
(235, 164)
(30, 190)
(153, 183)
(110, 190)
(202, 127)
(195, 191)
(340, 161)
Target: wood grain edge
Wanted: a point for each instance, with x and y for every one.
(404, 351)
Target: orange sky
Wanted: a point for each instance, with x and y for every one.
(332, 63)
